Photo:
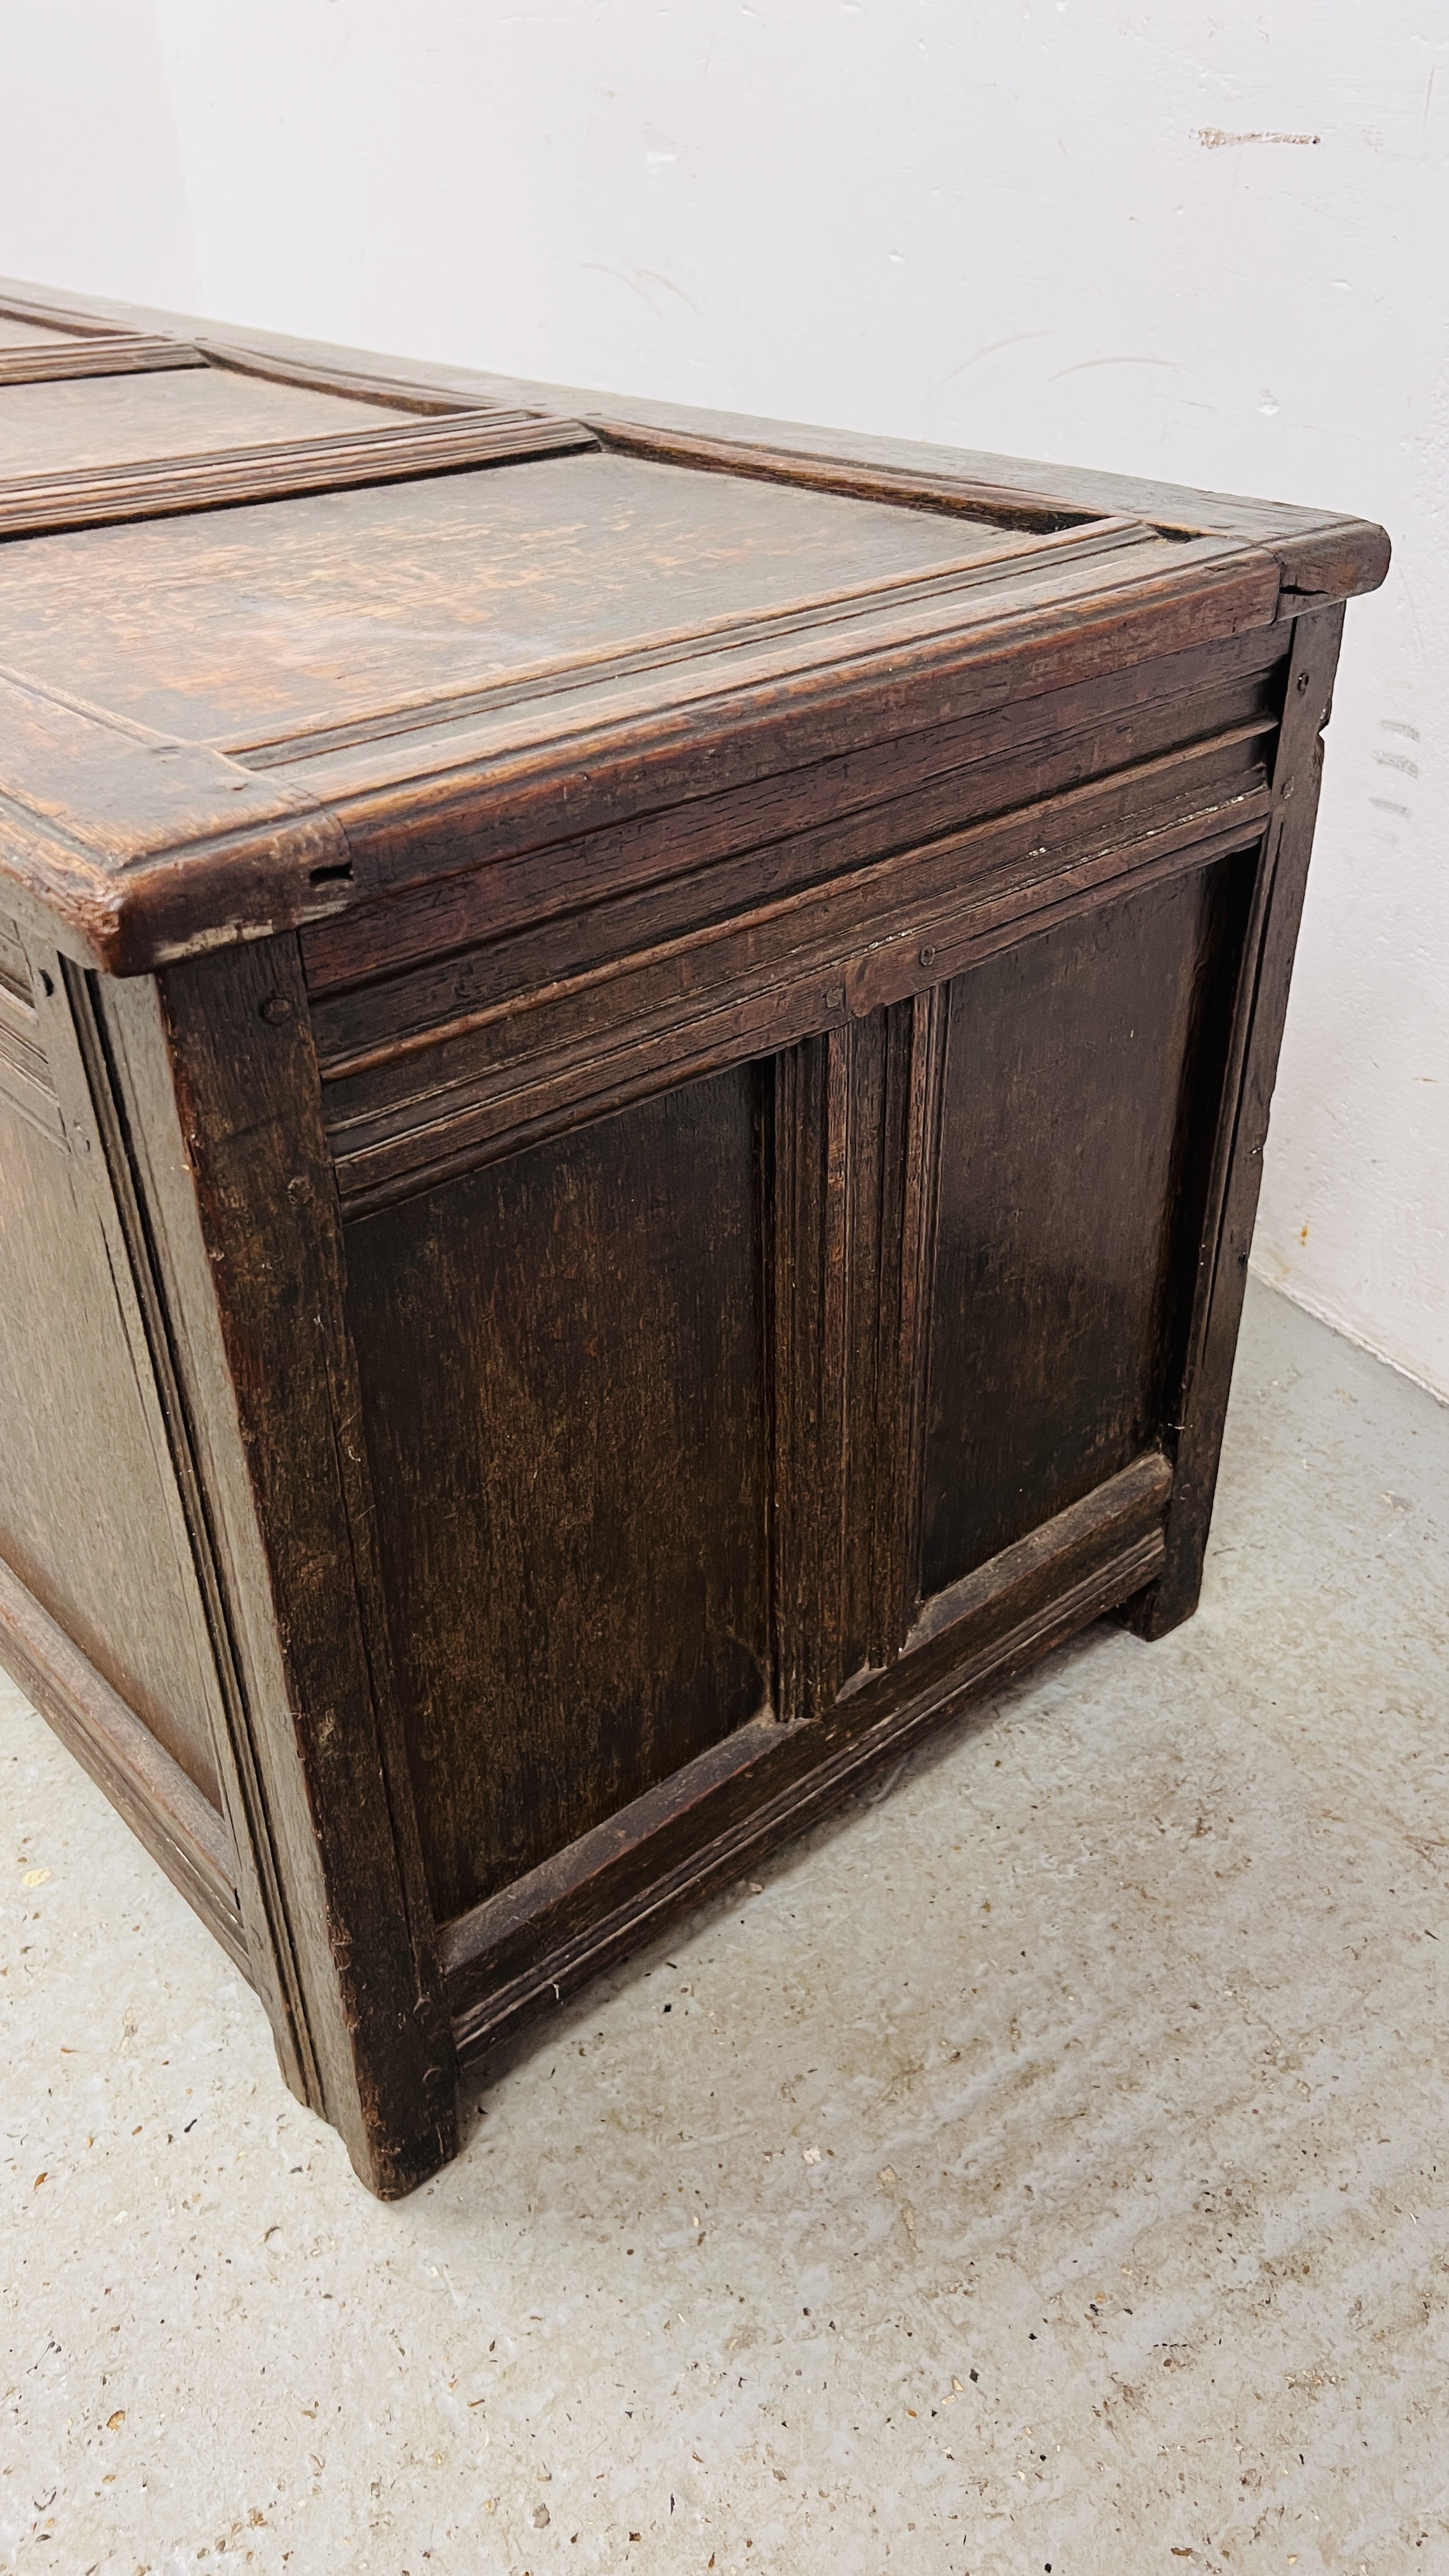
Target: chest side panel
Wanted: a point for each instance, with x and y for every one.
(87, 1517)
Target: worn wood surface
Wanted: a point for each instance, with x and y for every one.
(510, 1958)
(600, 892)
(634, 1052)
(1322, 554)
(617, 631)
(67, 360)
(400, 609)
(902, 486)
(51, 430)
(179, 1827)
(1082, 1073)
(90, 1520)
(413, 1106)
(576, 1568)
(1239, 1106)
(39, 343)
(253, 1250)
(86, 494)
(26, 316)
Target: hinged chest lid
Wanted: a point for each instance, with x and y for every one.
(278, 637)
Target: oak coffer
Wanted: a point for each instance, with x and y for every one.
(634, 1053)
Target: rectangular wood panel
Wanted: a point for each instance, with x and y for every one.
(15, 334)
(86, 1515)
(262, 619)
(1082, 1076)
(563, 1378)
(57, 428)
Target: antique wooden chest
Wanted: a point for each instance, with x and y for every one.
(634, 1052)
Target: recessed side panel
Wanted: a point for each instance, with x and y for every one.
(1083, 1075)
(562, 1375)
(85, 1517)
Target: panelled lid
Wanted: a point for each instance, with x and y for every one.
(276, 634)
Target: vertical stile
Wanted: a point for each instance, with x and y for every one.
(857, 1121)
(811, 1248)
(928, 1017)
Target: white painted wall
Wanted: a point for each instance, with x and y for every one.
(1094, 232)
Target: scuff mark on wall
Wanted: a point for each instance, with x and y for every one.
(1215, 138)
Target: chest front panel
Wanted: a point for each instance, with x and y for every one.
(719, 1323)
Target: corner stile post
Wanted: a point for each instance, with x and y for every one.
(248, 1217)
(1262, 1004)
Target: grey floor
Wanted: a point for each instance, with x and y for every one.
(1046, 2167)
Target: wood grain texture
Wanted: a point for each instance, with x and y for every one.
(179, 1827)
(352, 384)
(175, 1287)
(808, 566)
(704, 730)
(1076, 1131)
(20, 334)
(69, 360)
(425, 959)
(294, 1523)
(576, 1577)
(366, 616)
(581, 897)
(403, 1114)
(1322, 556)
(79, 1430)
(596, 753)
(1241, 1110)
(523, 1951)
(94, 808)
(1327, 554)
(141, 1184)
(899, 1479)
(81, 429)
(855, 1124)
(15, 980)
(25, 1081)
(811, 1135)
(90, 495)
(902, 486)
(24, 317)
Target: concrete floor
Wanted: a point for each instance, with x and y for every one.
(1046, 2168)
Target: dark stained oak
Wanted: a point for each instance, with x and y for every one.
(570, 1630)
(1081, 1070)
(1240, 1114)
(634, 1056)
(213, 623)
